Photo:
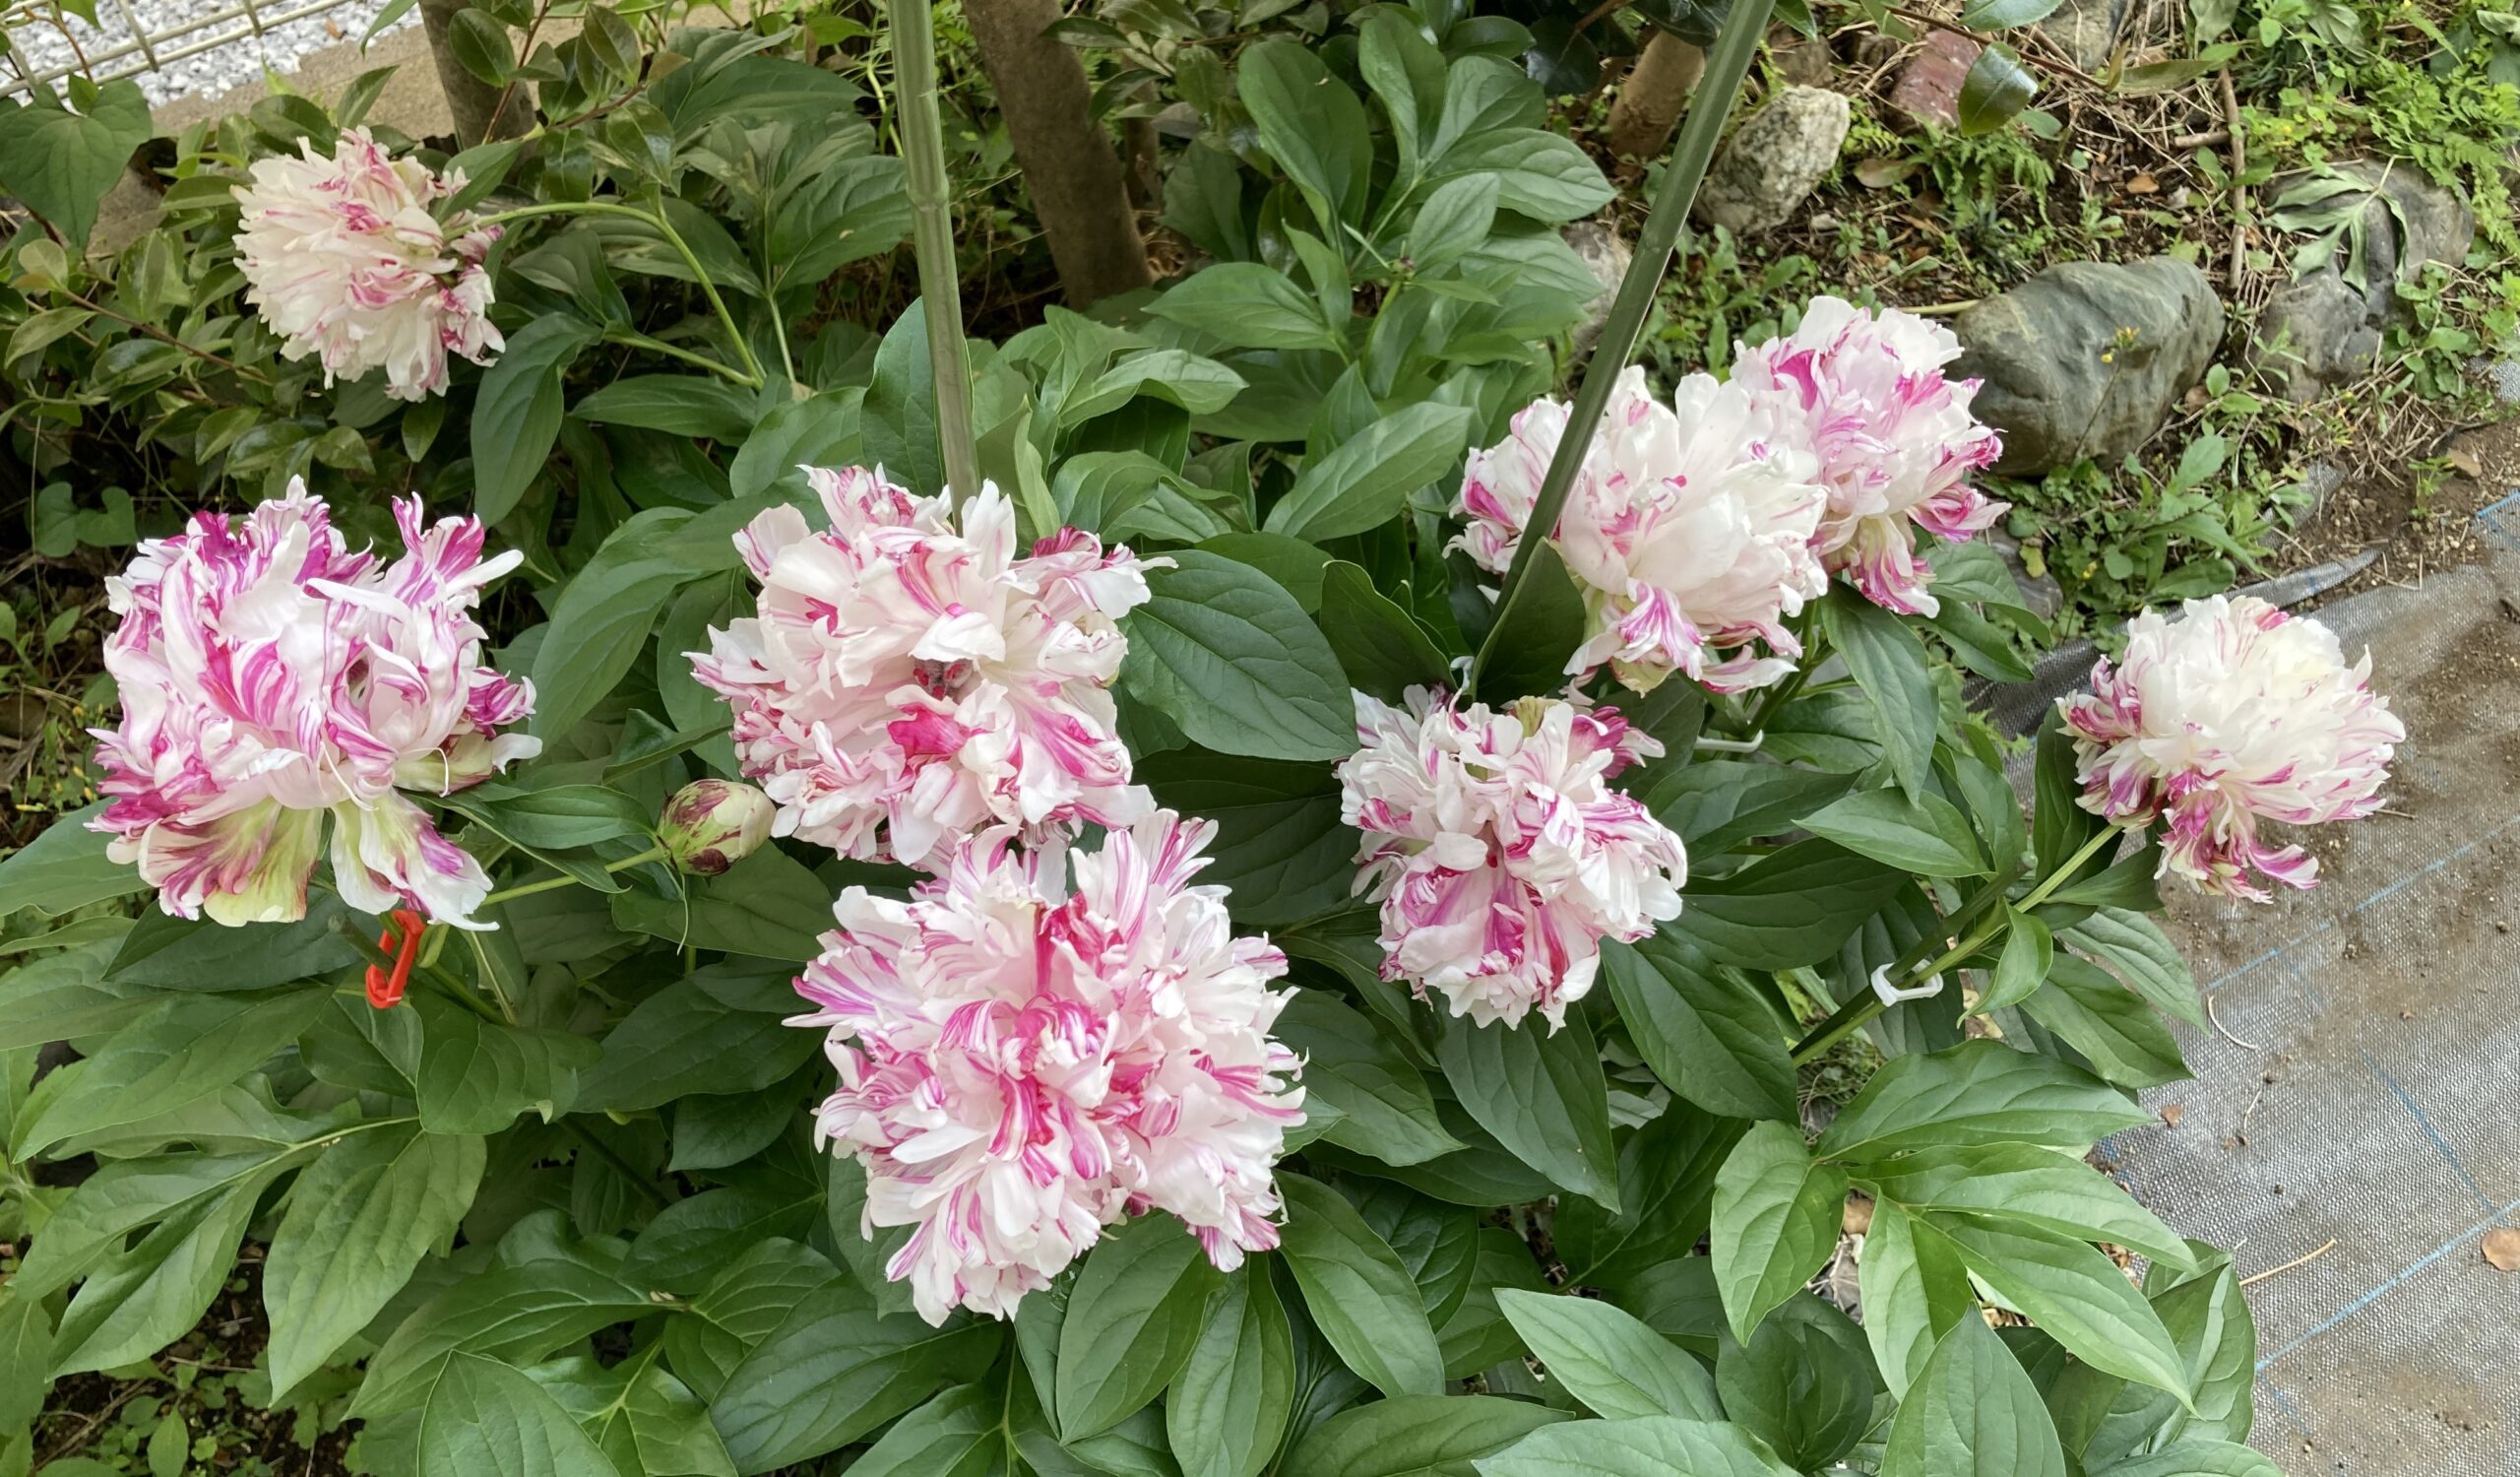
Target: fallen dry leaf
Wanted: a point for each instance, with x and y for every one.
(2143, 184)
(2465, 462)
(1857, 1219)
(2171, 1113)
(2502, 1249)
(1881, 173)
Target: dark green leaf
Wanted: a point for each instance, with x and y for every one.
(643, 1419)
(1280, 847)
(2024, 1184)
(1357, 1290)
(1537, 635)
(1914, 1289)
(1803, 1384)
(1667, 1181)
(1777, 1214)
(2028, 950)
(62, 165)
(1616, 1365)
(1995, 91)
(516, 1314)
(186, 1049)
(1365, 481)
(2142, 955)
(1247, 306)
(1224, 651)
(1979, 1092)
(1972, 1413)
(1383, 650)
(2071, 1290)
(516, 414)
(484, 1417)
(358, 1221)
(955, 1435)
(1228, 1405)
(1926, 835)
(767, 906)
(834, 1371)
(1134, 1316)
(1791, 910)
(2113, 1029)
(681, 1040)
(1650, 1446)
(603, 617)
(66, 867)
(1710, 1039)
(681, 405)
(1540, 1092)
(1417, 1435)
(165, 953)
(1386, 1109)
(1889, 664)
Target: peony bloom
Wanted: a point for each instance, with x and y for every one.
(1500, 853)
(1896, 442)
(346, 264)
(906, 682)
(1688, 527)
(1022, 1064)
(271, 677)
(2233, 714)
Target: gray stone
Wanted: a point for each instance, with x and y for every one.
(2321, 331)
(2085, 31)
(1607, 257)
(2041, 591)
(1774, 161)
(2085, 358)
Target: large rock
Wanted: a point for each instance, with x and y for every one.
(1927, 91)
(2325, 329)
(2085, 31)
(1774, 161)
(2085, 358)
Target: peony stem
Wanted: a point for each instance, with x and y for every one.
(554, 884)
(920, 128)
(1863, 1006)
(664, 228)
(1726, 64)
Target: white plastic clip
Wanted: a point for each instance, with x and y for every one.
(1750, 745)
(1891, 996)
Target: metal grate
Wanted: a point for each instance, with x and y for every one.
(131, 40)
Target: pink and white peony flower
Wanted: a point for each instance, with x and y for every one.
(1501, 856)
(906, 682)
(1023, 1063)
(346, 264)
(1896, 442)
(269, 677)
(2233, 714)
(1688, 529)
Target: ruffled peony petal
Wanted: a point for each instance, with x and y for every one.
(907, 680)
(1022, 1062)
(1895, 439)
(1688, 527)
(346, 264)
(1499, 852)
(265, 669)
(2233, 714)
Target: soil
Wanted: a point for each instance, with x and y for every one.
(2443, 531)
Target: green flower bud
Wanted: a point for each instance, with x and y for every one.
(710, 825)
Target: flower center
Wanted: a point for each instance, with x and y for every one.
(941, 678)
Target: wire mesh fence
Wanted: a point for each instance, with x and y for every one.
(173, 47)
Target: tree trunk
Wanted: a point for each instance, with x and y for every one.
(1652, 99)
(470, 100)
(1079, 189)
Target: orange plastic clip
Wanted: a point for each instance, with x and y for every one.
(384, 991)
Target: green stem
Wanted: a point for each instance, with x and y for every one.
(1864, 1004)
(1726, 64)
(554, 884)
(638, 340)
(642, 1184)
(1815, 652)
(923, 144)
(664, 228)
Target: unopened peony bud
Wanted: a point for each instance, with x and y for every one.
(710, 825)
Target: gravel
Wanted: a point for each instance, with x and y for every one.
(237, 55)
